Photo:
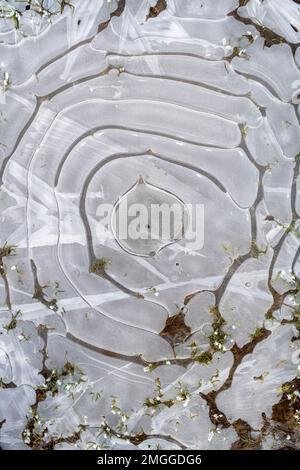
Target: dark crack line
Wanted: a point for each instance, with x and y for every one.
(18, 140)
(135, 359)
(199, 84)
(39, 290)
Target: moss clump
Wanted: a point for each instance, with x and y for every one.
(217, 339)
(198, 355)
(204, 358)
(286, 388)
(99, 265)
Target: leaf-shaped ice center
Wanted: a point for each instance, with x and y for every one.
(147, 218)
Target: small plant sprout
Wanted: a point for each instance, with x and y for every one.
(150, 367)
(215, 378)
(218, 337)
(24, 337)
(95, 396)
(36, 434)
(183, 394)
(121, 426)
(7, 250)
(69, 379)
(91, 445)
(244, 130)
(157, 400)
(6, 82)
(237, 51)
(13, 322)
(120, 69)
(262, 376)
(115, 409)
(151, 290)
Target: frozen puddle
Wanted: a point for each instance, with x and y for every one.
(182, 333)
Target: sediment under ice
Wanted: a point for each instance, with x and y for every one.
(193, 347)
